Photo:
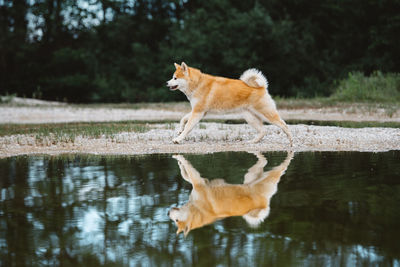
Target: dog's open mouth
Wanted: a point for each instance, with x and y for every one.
(173, 87)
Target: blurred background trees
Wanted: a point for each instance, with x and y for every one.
(124, 50)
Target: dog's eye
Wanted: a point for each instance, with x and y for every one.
(174, 78)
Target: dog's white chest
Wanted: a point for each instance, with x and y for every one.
(193, 101)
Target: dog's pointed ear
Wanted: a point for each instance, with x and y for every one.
(185, 68)
(176, 66)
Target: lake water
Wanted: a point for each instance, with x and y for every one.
(330, 208)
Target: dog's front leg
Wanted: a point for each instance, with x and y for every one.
(188, 172)
(183, 122)
(194, 118)
(182, 167)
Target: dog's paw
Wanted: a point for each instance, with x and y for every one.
(176, 140)
(178, 157)
(254, 140)
(260, 157)
(258, 138)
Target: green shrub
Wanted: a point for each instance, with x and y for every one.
(7, 98)
(377, 87)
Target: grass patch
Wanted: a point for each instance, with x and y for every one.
(344, 124)
(377, 87)
(67, 132)
(7, 98)
(347, 124)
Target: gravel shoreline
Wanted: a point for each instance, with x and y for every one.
(209, 138)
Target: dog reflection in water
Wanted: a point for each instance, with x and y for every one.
(213, 200)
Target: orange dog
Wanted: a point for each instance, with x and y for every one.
(210, 93)
(213, 200)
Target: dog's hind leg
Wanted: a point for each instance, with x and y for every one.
(273, 176)
(256, 171)
(272, 116)
(257, 124)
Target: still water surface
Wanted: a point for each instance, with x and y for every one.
(340, 209)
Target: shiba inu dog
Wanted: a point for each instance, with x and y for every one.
(213, 200)
(210, 93)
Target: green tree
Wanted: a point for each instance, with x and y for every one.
(123, 50)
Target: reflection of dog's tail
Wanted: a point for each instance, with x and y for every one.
(255, 217)
(254, 78)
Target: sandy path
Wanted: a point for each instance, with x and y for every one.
(213, 137)
(10, 114)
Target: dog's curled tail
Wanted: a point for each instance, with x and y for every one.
(254, 78)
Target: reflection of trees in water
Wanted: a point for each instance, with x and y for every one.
(16, 244)
(92, 210)
(119, 197)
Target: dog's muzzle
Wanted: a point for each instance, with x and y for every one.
(172, 87)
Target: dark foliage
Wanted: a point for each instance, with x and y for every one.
(123, 50)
